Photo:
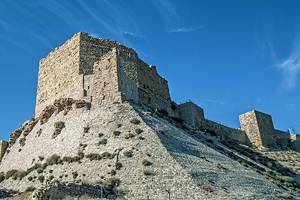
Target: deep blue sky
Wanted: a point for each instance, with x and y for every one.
(227, 56)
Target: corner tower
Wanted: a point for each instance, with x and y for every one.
(100, 71)
(259, 128)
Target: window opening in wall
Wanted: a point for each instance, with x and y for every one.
(84, 93)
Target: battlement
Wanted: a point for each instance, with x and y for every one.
(103, 71)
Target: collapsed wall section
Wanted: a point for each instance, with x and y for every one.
(191, 114)
(59, 75)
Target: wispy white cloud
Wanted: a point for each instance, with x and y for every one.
(186, 29)
(132, 34)
(290, 69)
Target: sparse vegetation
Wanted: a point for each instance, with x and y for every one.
(107, 155)
(75, 175)
(103, 142)
(138, 131)
(51, 178)
(2, 177)
(22, 141)
(149, 173)
(95, 156)
(100, 135)
(128, 154)
(40, 170)
(39, 132)
(135, 121)
(58, 128)
(117, 133)
(30, 189)
(15, 174)
(147, 163)
(129, 136)
(86, 129)
(113, 172)
(141, 138)
(54, 160)
(41, 179)
(119, 165)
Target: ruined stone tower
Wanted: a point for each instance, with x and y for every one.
(99, 71)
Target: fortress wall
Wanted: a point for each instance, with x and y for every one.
(191, 114)
(153, 90)
(106, 85)
(128, 77)
(282, 138)
(296, 145)
(3, 147)
(59, 75)
(226, 133)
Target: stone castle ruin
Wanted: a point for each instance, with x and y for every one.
(103, 71)
(105, 126)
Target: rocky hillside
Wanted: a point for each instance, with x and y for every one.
(123, 151)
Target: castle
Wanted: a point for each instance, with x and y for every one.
(104, 71)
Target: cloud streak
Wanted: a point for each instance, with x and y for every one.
(186, 29)
(290, 68)
(132, 34)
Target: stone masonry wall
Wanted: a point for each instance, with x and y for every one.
(106, 87)
(191, 113)
(91, 49)
(266, 129)
(153, 90)
(59, 75)
(3, 147)
(69, 71)
(226, 133)
(249, 124)
(282, 139)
